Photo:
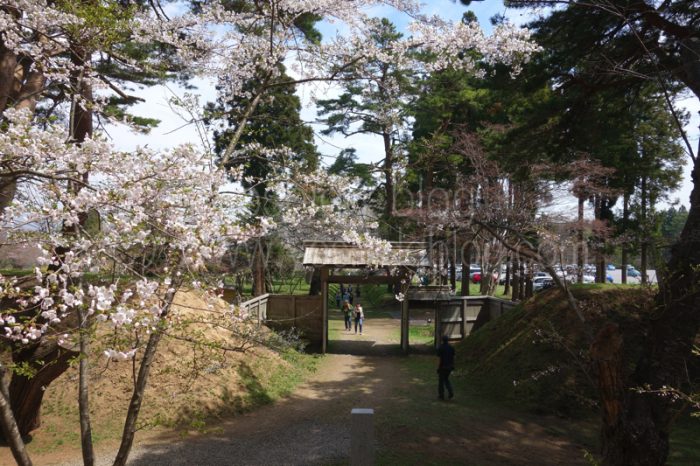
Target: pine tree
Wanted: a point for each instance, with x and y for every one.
(275, 123)
(373, 101)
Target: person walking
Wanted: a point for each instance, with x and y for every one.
(359, 317)
(446, 353)
(347, 315)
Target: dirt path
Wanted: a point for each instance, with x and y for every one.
(381, 336)
(311, 427)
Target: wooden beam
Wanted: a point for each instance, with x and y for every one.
(324, 301)
(404, 325)
(372, 280)
(369, 279)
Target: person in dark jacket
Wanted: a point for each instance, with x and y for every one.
(446, 353)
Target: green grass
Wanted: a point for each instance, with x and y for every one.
(416, 413)
(264, 382)
(523, 360)
(16, 272)
(684, 443)
(336, 326)
(475, 291)
(261, 381)
(421, 334)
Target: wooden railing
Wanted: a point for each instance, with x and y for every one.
(256, 307)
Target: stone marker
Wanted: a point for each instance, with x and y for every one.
(362, 437)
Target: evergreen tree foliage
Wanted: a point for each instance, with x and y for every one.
(374, 101)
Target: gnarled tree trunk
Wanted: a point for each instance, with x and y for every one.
(49, 361)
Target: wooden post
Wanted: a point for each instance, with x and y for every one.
(404, 325)
(324, 299)
(362, 437)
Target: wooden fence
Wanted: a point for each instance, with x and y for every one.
(459, 316)
(455, 316)
(283, 312)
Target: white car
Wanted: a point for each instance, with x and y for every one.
(540, 283)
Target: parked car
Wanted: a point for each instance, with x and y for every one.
(632, 272)
(475, 273)
(608, 278)
(611, 267)
(542, 283)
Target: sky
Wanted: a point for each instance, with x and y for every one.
(173, 129)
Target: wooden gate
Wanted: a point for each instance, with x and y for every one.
(457, 317)
(449, 320)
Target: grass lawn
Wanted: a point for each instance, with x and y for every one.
(469, 417)
(476, 413)
(421, 334)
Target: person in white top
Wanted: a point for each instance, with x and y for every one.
(359, 317)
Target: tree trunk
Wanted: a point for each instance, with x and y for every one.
(606, 355)
(8, 64)
(8, 424)
(453, 262)
(81, 127)
(30, 91)
(597, 208)
(26, 393)
(466, 263)
(19, 88)
(315, 284)
(643, 253)
(388, 175)
(580, 255)
(523, 282)
(259, 268)
(529, 288)
(625, 220)
(83, 392)
(642, 438)
(516, 280)
(506, 290)
(149, 355)
(8, 189)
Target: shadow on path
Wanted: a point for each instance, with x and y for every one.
(311, 427)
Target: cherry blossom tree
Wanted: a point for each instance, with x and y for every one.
(94, 210)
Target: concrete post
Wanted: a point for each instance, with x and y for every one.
(362, 437)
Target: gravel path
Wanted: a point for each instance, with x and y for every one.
(311, 427)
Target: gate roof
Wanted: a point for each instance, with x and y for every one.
(342, 254)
